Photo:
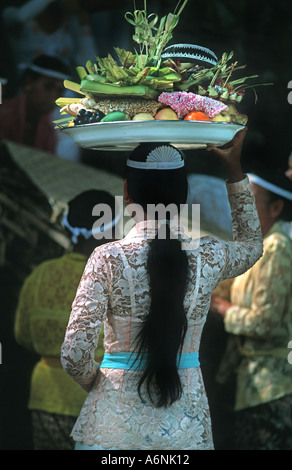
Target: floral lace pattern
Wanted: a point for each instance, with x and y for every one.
(114, 291)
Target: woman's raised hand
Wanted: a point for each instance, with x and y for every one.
(230, 155)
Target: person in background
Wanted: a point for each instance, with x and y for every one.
(259, 320)
(41, 318)
(59, 28)
(288, 172)
(108, 24)
(26, 118)
(152, 290)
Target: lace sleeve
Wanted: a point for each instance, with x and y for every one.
(88, 312)
(247, 245)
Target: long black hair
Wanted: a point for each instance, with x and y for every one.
(163, 331)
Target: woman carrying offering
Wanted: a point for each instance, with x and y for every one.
(152, 293)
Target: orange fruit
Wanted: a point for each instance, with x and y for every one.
(197, 116)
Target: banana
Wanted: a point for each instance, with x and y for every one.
(63, 101)
(74, 108)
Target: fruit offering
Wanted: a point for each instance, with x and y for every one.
(87, 117)
(184, 103)
(177, 82)
(197, 116)
(115, 116)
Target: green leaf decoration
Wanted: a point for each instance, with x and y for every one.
(142, 71)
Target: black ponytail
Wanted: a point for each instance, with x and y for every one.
(163, 331)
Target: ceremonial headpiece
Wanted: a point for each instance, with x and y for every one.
(162, 157)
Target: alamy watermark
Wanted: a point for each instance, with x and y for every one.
(290, 353)
(290, 92)
(184, 221)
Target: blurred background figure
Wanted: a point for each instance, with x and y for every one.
(109, 27)
(41, 319)
(59, 28)
(289, 170)
(259, 320)
(27, 117)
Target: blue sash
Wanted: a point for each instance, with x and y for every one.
(126, 360)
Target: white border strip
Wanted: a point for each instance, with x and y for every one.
(155, 165)
(269, 186)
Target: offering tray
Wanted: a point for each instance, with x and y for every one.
(127, 135)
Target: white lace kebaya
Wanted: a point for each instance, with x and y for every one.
(114, 292)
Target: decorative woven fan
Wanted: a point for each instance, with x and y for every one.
(164, 154)
(189, 53)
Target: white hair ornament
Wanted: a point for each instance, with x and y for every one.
(84, 232)
(163, 157)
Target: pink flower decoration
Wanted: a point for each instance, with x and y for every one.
(183, 103)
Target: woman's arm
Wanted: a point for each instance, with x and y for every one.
(230, 156)
(247, 245)
(88, 312)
